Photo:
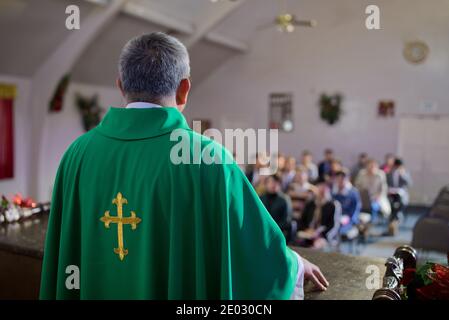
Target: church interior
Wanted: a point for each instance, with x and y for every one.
(356, 91)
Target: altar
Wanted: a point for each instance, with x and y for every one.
(347, 275)
(22, 248)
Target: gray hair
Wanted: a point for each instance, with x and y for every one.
(151, 67)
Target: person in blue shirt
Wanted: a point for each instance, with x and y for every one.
(349, 198)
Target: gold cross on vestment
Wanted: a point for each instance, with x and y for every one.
(119, 201)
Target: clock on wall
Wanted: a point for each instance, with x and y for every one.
(416, 52)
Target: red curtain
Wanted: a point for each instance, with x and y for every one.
(7, 93)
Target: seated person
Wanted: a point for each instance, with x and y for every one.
(388, 164)
(398, 180)
(281, 160)
(300, 186)
(253, 173)
(307, 163)
(277, 204)
(320, 221)
(373, 181)
(300, 191)
(288, 173)
(361, 164)
(336, 166)
(349, 198)
(260, 185)
(324, 166)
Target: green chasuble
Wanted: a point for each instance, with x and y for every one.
(145, 217)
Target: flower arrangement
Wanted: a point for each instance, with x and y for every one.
(404, 280)
(19, 208)
(428, 282)
(330, 108)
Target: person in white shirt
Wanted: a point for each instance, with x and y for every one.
(373, 181)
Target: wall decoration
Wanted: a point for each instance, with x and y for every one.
(7, 96)
(386, 108)
(416, 52)
(281, 112)
(330, 107)
(90, 111)
(57, 100)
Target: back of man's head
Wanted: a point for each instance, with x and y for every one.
(151, 67)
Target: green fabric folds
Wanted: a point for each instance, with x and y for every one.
(203, 232)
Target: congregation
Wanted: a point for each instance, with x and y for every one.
(320, 205)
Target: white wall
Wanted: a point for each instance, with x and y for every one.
(365, 66)
(424, 142)
(20, 180)
(62, 128)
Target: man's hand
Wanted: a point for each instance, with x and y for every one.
(313, 273)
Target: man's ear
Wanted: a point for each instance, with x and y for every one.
(119, 84)
(182, 94)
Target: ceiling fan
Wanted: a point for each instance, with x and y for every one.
(288, 22)
(285, 22)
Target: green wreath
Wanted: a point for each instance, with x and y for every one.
(90, 111)
(330, 108)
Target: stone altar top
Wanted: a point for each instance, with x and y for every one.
(346, 274)
(26, 237)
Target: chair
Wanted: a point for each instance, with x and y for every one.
(431, 231)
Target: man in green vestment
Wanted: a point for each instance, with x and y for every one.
(136, 224)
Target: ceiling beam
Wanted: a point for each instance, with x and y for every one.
(225, 41)
(194, 33)
(221, 11)
(159, 18)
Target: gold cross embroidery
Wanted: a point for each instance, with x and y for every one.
(119, 201)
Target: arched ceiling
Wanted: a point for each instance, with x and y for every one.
(30, 30)
(214, 32)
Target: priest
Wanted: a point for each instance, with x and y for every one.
(138, 224)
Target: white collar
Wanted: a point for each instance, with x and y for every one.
(142, 105)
